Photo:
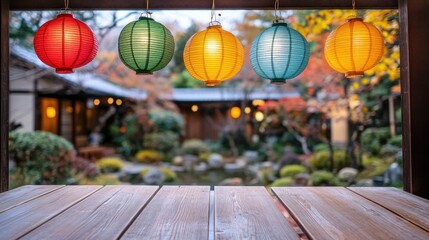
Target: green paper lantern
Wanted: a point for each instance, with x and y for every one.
(145, 45)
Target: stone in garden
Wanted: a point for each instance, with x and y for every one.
(267, 164)
(201, 167)
(289, 158)
(177, 160)
(154, 177)
(189, 161)
(251, 156)
(241, 162)
(236, 181)
(347, 174)
(301, 179)
(393, 175)
(233, 167)
(177, 168)
(215, 161)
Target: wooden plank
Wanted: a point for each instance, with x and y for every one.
(338, 213)
(18, 221)
(249, 213)
(408, 206)
(103, 215)
(176, 212)
(198, 4)
(4, 97)
(24, 194)
(414, 19)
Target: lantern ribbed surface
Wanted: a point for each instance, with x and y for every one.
(354, 47)
(145, 45)
(65, 43)
(213, 55)
(279, 53)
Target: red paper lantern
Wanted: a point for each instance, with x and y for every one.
(65, 43)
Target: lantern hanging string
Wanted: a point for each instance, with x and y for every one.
(353, 4)
(277, 12)
(213, 19)
(147, 12)
(66, 4)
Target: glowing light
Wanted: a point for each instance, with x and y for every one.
(96, 102)
(194, 108)
(258, 102)
(110, 100)
(259, 116)
(235, 112)
(51, 112)
(247, 110)
(118, 102)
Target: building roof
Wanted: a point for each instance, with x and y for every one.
(270, 92)
(89, 82)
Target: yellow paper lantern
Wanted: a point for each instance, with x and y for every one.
(213, 55)
(51, 112)
(354, 47)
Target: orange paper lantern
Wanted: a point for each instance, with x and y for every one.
(354, 47)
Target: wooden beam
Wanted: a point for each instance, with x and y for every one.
(4, 98)
(414, 20)
(200, 4)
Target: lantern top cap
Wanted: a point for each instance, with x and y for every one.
(64, 14)
(354, 18)
(214, 26)
(279, 24)
(146, 18)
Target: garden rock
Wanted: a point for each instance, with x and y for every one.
(251, 156)
(177, 160)
(201, 167)
(301, 179)
(347, 174)
(154, 177)
(393, 175)
(215, 161)
(233, 167)
(189, 162)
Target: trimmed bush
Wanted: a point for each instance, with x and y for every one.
(282, 182)
(373, 138)
(170, 175)
(322, 178)
(292, 170)
(396, 141)
(108, 165)
(100, 180)
(195, 147)
(320, 160)
(40, 158)
(161, 141)
(148, 156)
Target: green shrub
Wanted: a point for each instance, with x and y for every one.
(292, 170)
(162, 141)
(107, 165)
(148, 156)
(373, 138)
(321, 147)
(194, 147)
(322, 178)
(320, 160)
(170, 175)
(41, 158)
(166, 121)
(282, 182)
(100, 180)
(204, 156)
(396, 141)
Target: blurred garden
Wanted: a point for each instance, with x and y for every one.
(335, 132)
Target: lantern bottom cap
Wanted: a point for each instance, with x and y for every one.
(278, 81)
(212, 83)
(354, 74)
(144, 72)
(64, 70)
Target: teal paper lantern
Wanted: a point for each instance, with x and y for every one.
(145, 45)
(279, 53)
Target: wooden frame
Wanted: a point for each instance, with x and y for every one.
(414, 50)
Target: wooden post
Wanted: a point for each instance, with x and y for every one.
(4, 98)
(414, 32)
(392, 122)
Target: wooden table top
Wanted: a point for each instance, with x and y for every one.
(195, 212)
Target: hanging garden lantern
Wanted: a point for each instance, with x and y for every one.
(65, 43)
(145, 45)
(213, 55)
(279, 52)
(354, 47)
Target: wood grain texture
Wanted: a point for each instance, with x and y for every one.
(176, 212)
(198, 4)
(338, 213)
(249, 213)
(408, 206)
(24, 194)
(18, 221)
(103, 215)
